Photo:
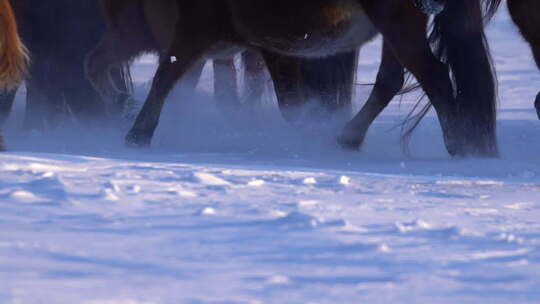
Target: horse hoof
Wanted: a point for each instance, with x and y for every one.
(349, 143)
(137, 139)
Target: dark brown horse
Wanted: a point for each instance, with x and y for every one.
(135, 27)
(316, 28)
(13, 55)
(139, 26)
(525, 16)
(471, 84)
(59, 34)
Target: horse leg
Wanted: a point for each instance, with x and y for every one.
(2, 145)
(120, 75)
(45, 103)
(112, 52)
(330, 80)
(286, 73)
(524, 14)
(6, 104)
(253, 76)
(408, 42)
(184, 53)
(463, 135)
(225, 83)
(83, 100)
(390, 79)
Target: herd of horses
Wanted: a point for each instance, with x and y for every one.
(80, 53)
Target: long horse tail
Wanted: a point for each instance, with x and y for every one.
(459, 41)
(489, 8)
(13, 54)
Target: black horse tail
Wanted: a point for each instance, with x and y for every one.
(489, 8)
(459, 41)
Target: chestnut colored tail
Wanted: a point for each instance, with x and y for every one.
(13, 54)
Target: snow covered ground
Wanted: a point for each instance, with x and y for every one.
(263, 213)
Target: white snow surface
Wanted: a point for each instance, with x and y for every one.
(262, 212)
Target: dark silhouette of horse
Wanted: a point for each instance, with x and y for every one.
(134, 27)
(525, 16)
(282, 31)
(13, 54)
(459, 42)
(141, 26)
(59, 34)
(450, 48)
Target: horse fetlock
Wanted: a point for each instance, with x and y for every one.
(350, 140)
(466, 138)
(139, 138)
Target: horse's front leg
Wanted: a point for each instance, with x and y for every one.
(390, 79)
(225, 84)
(6, 104)
(330, 80)
(254, 78)
(183, 54)
(404, 29)
(286, 73)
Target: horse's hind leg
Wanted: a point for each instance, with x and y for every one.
(186, 50)
(6, 104)
(253, 80)
(525, 16)
(330, 80)
(45, 102)
(390, 79)
(120, 75)
(225, 84)
(286, 73)
(110, 52)
(407, 39)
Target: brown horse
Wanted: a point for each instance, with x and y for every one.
(147, 26)
(13, 55)
(279, 29)
(525, 16)
(138, 26)
(390, 79)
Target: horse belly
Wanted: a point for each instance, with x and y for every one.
(340, 26)
(356, 33)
